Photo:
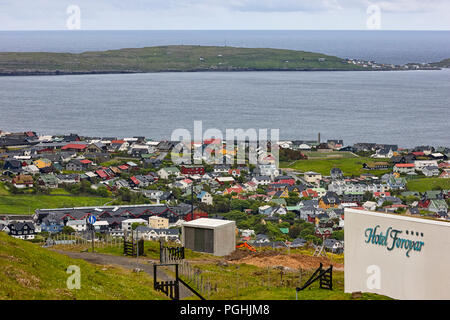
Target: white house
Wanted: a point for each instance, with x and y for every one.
(101, 225)
(31, 169)
(205, 197)
(270, 170)
(261, 180)
(430, 171)
(156, 234)
(164, 173)
(404, 167)
(304, 146)
(312, 177)
(420, 164)
(222, 180)
(247, 232)
(77, 225)
(370, 205)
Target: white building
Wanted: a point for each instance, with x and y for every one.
(77, 225)
(370, 205)
(212, 236)
(261, 180)
(404, 167)
(205, 197)
(392, 255)
(126, 224)
(341, 187)
(164, 173)
(312, 177)
(270, 170)
(420, 164)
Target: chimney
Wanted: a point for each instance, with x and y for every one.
(318, 138)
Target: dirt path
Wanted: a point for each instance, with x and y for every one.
(125, 262)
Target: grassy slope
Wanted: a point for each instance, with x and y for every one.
(424, 184)
(31, 272)
(443, 63)
(254, 283)
(170, 58)
(349, 166)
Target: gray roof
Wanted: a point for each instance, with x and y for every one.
(261, 178)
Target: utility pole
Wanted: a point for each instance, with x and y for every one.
(137, 244)
(93, 236)
(192, 199)
(90, 220)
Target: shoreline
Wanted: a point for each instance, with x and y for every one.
(74, 73)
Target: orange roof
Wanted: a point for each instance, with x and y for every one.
(405, 165)
(74, 146)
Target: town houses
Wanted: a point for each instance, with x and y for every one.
(145, 190)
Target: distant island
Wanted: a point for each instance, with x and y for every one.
(184, 58)
(442, 64)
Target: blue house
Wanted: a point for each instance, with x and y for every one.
(52, 225)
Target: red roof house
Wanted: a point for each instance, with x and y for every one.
(102, 174)
(74, 147)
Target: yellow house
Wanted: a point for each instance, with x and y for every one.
(284, 194)
(293, 189)
(329, 200)
(42, 163)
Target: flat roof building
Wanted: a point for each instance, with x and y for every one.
(214, 236)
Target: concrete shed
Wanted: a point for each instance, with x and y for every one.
(214, 236)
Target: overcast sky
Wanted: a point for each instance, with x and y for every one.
(227, 14)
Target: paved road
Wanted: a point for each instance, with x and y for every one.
(125, 262)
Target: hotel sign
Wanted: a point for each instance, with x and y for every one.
(393, 239)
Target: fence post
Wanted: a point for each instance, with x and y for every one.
(154, 276)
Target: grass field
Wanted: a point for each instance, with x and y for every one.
(349, 166)
(59, 191)
(329, 155)
(27, 204)
(424, 184)
(3, 190)
(31, 272)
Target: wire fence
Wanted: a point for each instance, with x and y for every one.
(84, 239)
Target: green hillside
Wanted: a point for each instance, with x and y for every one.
(29, 272)
(168, 58)
(442, 64)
